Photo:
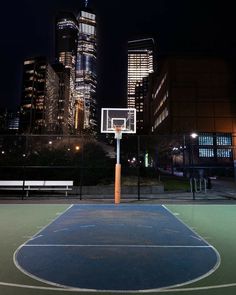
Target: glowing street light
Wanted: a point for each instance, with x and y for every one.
(77, 147)
(194, 135)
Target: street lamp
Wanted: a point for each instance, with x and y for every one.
(77, 148)
(193, 135)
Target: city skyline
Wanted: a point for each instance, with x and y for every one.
(176, 27)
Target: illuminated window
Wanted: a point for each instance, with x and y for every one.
(205, 139)
(160, 86)
(224, 153)
(28, 62)
(88, 15)
(87, 29)
(223, 139)
(206, 153)
(161, 117)
(162, 101)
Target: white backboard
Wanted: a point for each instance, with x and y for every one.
(118, 118)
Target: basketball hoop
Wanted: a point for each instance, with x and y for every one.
(118, 121)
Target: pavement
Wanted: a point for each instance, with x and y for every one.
(223, 191)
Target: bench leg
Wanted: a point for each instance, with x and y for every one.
(66, 193)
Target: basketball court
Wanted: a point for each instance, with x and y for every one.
(110, 248)
(124, 248)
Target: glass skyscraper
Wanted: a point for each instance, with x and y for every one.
(140, 65)
(86, 74)
(76, 49)
(66, 51)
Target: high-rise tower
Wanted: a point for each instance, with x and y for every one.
(86, 74)
(140, 65)
(39, 103)
(66, 51)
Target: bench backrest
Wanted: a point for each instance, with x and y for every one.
(34, 182)
(11, 182)
(48, 183)
(58, 183)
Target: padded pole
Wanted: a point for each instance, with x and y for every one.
(117, 150)
(117, 170)
(117, 183)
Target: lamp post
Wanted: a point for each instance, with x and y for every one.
(193, 136)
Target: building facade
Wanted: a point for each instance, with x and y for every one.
(39, 102)
(196, 94)
(141, 90)
(140, 65)
(66, 52)
(65, 122)
(86, 73)
(76, 49)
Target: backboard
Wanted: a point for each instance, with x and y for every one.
(122, 120)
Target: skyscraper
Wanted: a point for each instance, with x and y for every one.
(66, 50)
(86, 75)
(140, 65)
(65, 125)
(39, 103)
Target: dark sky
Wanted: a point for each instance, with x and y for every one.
(178, 26)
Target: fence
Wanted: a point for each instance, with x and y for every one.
(146, 160)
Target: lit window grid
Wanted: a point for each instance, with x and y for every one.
(163, 115)
(161, 103)
(224, 153)
(86, 29)
(206, 153)
(223, 139)
(205, 139)
(66, 24)
(87, 15)
(210, 153)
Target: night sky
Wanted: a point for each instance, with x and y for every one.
(178, 26)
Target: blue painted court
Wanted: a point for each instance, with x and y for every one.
(117, 248)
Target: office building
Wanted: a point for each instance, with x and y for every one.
(86, 74)
(141, 89)
(140, 65)
(65, 120)
(196, 94)
(39, 102)
(66, 51)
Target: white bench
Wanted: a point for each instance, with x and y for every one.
(37, 185)
(11, 185)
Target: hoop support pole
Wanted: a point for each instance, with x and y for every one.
(117, 183)
(117, 169)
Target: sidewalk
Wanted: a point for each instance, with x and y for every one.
(222, 192)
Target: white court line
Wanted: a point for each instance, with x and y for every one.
(117, 291)
(119, 245)
(58, 215)
(58, 287)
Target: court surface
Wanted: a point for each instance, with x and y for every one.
(117, 248)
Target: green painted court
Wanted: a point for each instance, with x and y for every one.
(214, 223)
